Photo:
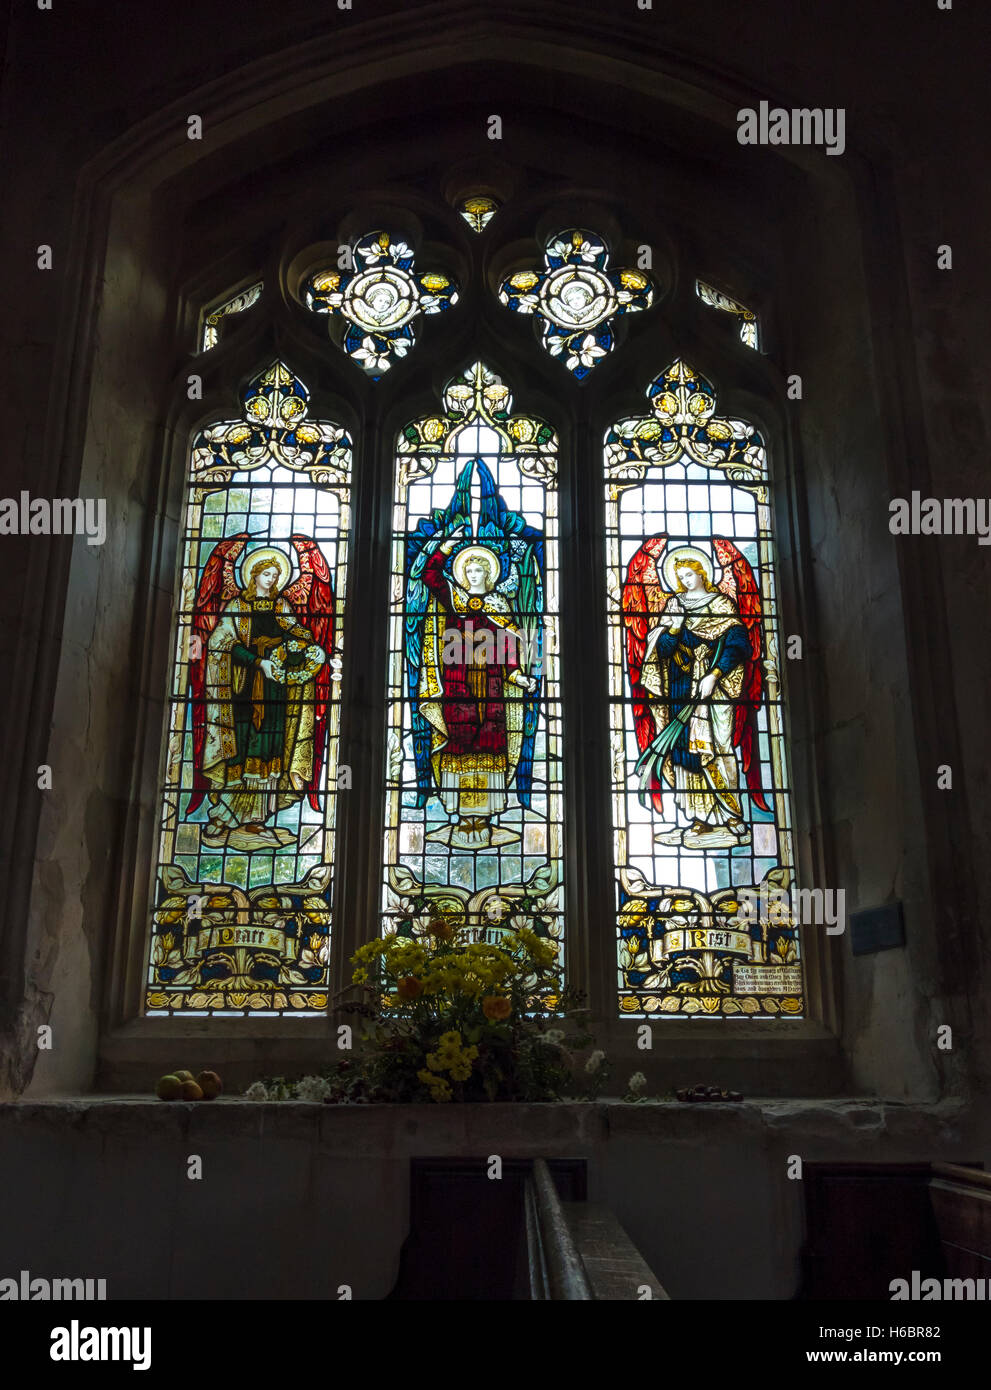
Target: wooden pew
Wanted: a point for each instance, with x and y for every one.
(961, 1203)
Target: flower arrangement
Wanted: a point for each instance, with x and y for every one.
(453, 1018)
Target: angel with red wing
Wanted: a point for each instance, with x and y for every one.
(694, 653)
(259, 687)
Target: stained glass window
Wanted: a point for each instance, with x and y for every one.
(701, 806)
(379, 300)
(478, 211)
(474, 798)
(576, 298)
(241, 914)
(210, 334)
(749, 327)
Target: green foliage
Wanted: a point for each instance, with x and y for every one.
(449, 1018)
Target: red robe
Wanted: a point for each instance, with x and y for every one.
(474, 692)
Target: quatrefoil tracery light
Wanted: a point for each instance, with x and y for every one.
(379, 299)
(576, 298)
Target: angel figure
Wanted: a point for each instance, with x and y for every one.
(260, 685)
(694, 661)
(475, 709)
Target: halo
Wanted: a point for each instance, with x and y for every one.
(686, 552)
(273, 557)
(475, 552)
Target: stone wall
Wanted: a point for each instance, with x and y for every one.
(297, 1199)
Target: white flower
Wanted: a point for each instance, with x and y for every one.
(371, 360)
(312, 1088)
(555, 1036)
(588, 250)
(595, 1060)
(636, 1083)
(256, 1091)
(588, 353)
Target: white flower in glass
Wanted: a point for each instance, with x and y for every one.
(586, 249)
(369, 358)
(595, 1061)
(587, 355)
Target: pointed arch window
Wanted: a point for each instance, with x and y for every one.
(470, 774)
(701, 806)
(474, 808)
(242, 891)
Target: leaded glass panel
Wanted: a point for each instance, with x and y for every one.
(701, 804)
(242, 899)
(474, 797)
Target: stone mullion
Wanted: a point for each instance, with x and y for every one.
(359, 822)
(585, 717)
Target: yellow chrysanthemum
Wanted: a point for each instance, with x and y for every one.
(439, 1089)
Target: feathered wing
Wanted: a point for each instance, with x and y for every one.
(740, 584)
(643, 601)
(217, 587)
(312, 596)
(530, 607)
(419, 549)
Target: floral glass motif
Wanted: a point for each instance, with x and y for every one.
(478, 211)
(210, 335)
(576, 298)
(379, 300)
(701, 800)
(749, 327)
(474, 798)
(242, 897)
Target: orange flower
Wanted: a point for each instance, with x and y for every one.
(496, 1006)
(409, 987)
(441, 929)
